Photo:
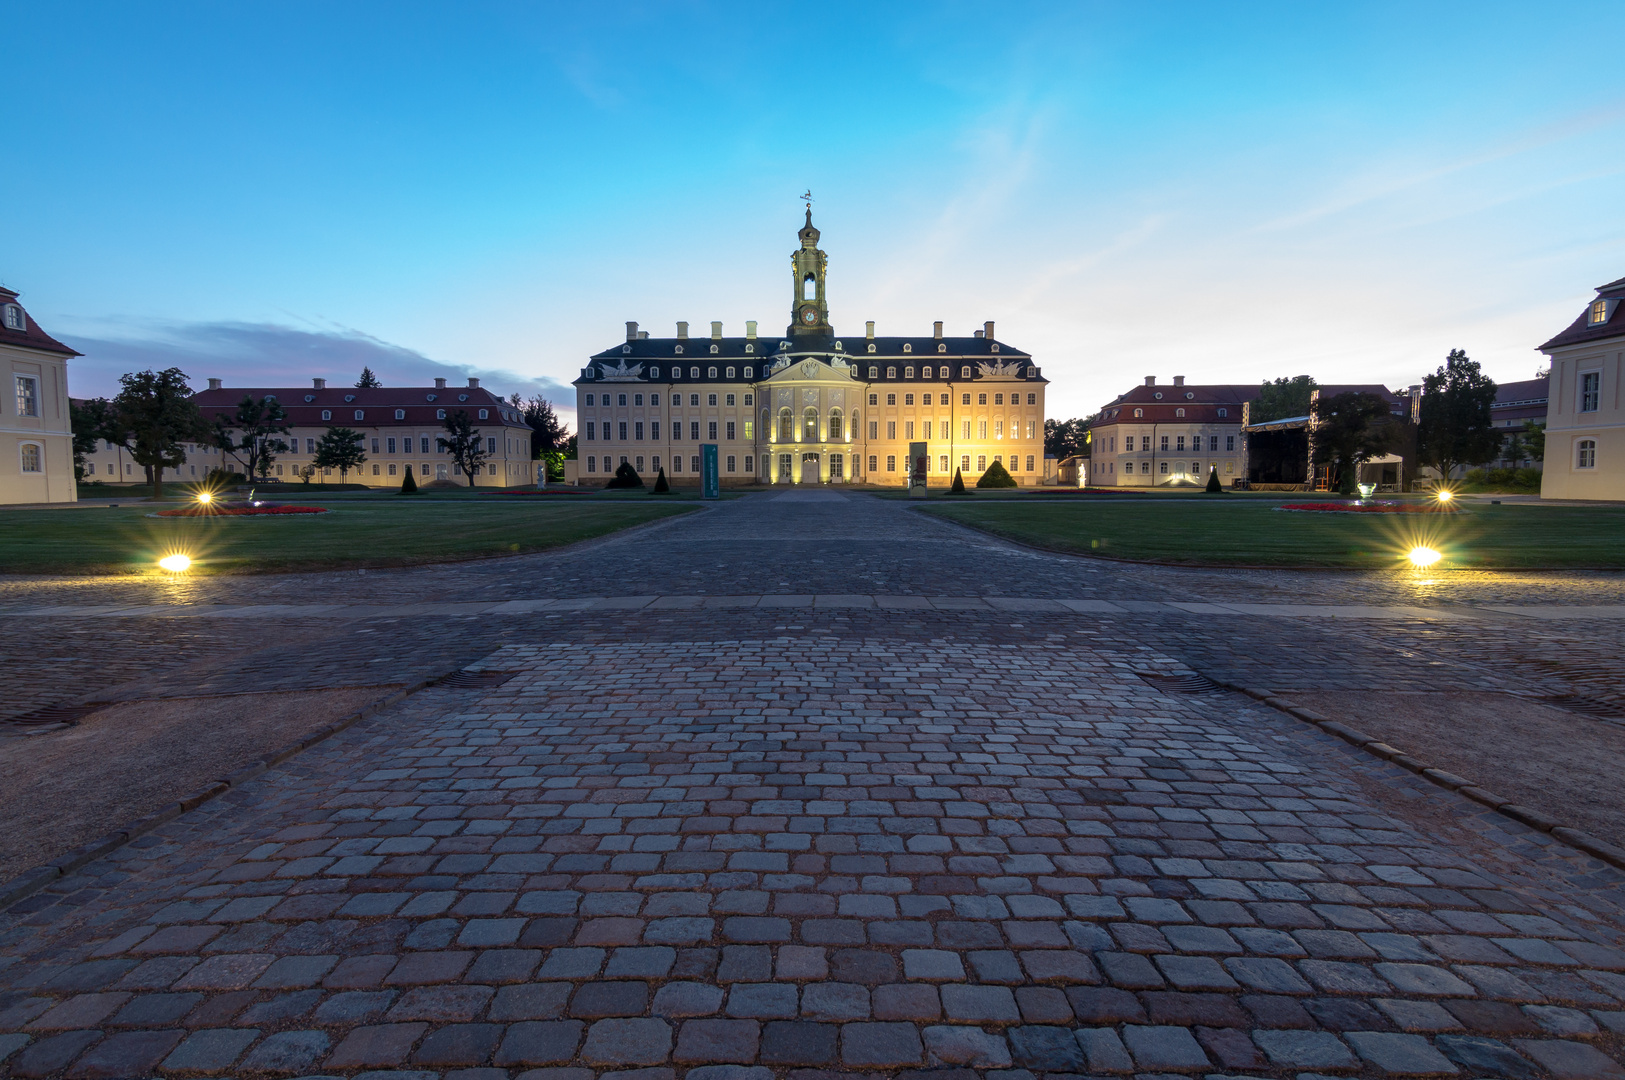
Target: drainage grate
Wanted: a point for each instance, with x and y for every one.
(57, 714)
(475, 680)
(1589, 706)
(1183, 682)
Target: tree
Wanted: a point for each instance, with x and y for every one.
(339, 448)
(548, 434)
(661, 487)
(959, 484)
(1455, 427)
(89, 422)
(152, 417)
(260, 422)
(625, 477)
(462, 441)
(368, 380)
(1282, 398)
(1213, 485)
(1065, 438)
(1534, 440)
(1350, 429)
(1513, 449)
(409, 486)
(996, 477)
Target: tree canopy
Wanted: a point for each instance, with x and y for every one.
(1065, 438)
(1350, 428)
(463, 442)
(368, 380)
(260, 422)
(340, 448)
(1454, 427)
(1282, 398)
(152, 417)
(89, 423)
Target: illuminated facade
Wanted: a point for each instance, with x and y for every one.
(36, 433)
(812, 407)
(1585, 413)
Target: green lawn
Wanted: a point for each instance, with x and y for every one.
(355, 532)
(1238, 533)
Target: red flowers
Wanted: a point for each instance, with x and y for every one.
(1370, 508)
(239, 511)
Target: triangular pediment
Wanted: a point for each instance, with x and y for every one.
(811, 368)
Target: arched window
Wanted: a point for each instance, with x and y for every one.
(942, 348)
(787, 426)
(1139, 412)
(908, 373)
(1179, 412)
(1224, 412)
(711, 373)
(837, 428)
(809, 288)
(871, 347)
(713, 350)
(730, 373)
(908, 348)
(654, 372)
(964, 372)
(809, 424)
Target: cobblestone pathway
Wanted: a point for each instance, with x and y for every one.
(726, 844)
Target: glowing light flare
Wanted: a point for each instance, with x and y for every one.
(205, 497)
(1423, 557)
(1445, 495)
(176, 564)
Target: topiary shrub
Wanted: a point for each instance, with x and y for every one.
(1213, 485)
(661, 487)
(996, 477)
(959, 484)
(625, 477)
(409, 486)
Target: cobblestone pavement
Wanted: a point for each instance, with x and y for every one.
(786, 842)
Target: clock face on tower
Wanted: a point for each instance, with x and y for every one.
(809, 315)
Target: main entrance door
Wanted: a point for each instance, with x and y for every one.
(809, 468)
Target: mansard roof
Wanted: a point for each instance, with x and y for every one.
(31, 337)
(1582, 330)
(898, 352)
(304, 404)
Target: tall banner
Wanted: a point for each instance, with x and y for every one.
(919, 463)
(710, 482)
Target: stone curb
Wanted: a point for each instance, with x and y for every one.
(1535, 819)
(32, 881)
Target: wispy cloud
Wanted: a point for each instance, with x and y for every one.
(268, 354)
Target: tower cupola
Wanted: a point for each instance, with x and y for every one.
(809, 311)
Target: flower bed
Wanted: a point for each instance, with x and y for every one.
(1371, 508)
(240, 511)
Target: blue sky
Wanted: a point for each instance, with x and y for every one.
(1227, 192)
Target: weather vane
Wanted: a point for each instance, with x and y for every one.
(808, 196)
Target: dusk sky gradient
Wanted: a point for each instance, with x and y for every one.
(1230, 192)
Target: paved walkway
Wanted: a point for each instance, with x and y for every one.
(786, 839)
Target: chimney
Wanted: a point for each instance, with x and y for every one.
(631, 331)
(981, 333)
(473, 384)
(643, 335)
(870, 334)
(750, 329)
(1150, 380)
(320, 384)
(1179, 380)
(682, 331)
(214, 384)
(716, 330)
(936, 329)
(987, 330)
(440, 384)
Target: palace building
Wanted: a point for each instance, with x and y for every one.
(36, 433)
(812, 407)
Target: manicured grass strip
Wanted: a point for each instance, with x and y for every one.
(1223, 533)
(354, 533)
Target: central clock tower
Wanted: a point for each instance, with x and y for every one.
(809, 313)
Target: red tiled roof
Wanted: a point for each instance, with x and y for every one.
(32, 337)
(305, 404)
(1582, 330)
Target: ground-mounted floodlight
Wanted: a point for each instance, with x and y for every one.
(1423, 557)
(176, 564)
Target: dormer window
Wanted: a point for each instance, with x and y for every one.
(1224, 412)
(942, 348)
(310, 397)
(871, 346)
(462, 397)
(874, 372)
(838, 347)
(440, 414)
(750, 348)
(750, 373)
(1189, 396)
(679, 350)
(713, 350)
(891, 373)
(348, 398)
(400, 414)
(327, 414)
(1179, 412)
(360, 414)
(429, 397)
(995, 346)
(626, 350)
(1158, 395)
(908, 373)
(15, 319)
(710, 373)
(484, 414)
(731, 372)
(964, 372)
(908, 348)
(1138, 413)
(1599, 313)
(654, 372)
(693, 372)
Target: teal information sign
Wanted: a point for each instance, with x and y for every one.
(709, 481)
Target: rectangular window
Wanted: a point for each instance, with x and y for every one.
(711, 430)
(654, 463)
(1585, 456)
(1230, 442)
(677, 463)
(874, 429)
(637, 429)
(1181, 447)
(872, 462)
(693, 463)
(998, 429)
(375, 468)
(891, 429)
(837, 466)
(637, 399)
(1029, 463)
(654, 399)
(1229, 467)
(942, 463)
(1032, 399)
(490, 445)
(1212, 443)
(424, 448)
(589, 399)
(1165, 442)
(981, 463)
(392, 446)
(1032, 429)
(28, 398)
(694, 431)
(750, 462)
(730, 434)
(965, 427)
(891, 462)
(711, 399)
(731, 463)
(392, 468)
(964, 463)
(1590, 387)
(654, 429)
(622, 427)
(981, 399)
(621, 399)
(981, 427)
(31, 456)
(750, 433)
(639, 465)
(908, 428)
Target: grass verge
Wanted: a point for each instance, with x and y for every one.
(1223, 533)
(354, 533)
